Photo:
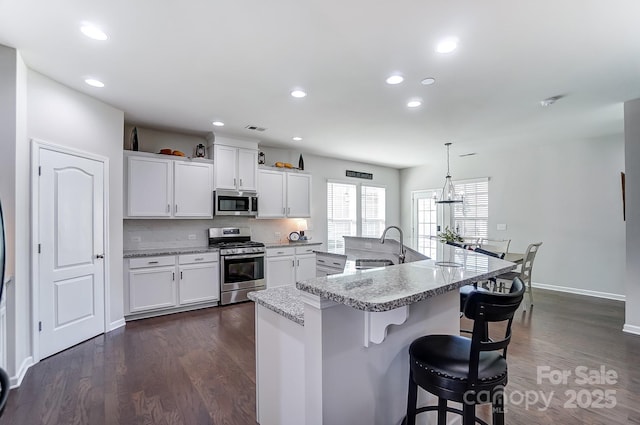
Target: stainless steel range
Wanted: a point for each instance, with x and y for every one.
(241, 263)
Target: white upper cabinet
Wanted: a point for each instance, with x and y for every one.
(193, 190)
(235, 168)
(298, 195)
(171, 188)
(247, 169)
(283, 194)
(272, 187)
(226, 167)
(150, 187)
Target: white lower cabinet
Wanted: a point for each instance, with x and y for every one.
(152, 286)
(199, 278)
(288, 265)
(281, 267)
(165, 284)
(305, 262)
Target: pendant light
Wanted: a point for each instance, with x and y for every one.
(448, 195)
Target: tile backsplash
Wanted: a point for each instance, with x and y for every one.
(158, 234)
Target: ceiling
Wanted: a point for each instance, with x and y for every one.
(181, 65)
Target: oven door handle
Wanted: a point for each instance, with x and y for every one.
(239, 257)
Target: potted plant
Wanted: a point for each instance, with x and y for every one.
(450, 235)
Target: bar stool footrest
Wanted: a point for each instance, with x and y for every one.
(449, 409)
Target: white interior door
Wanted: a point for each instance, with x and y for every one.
(71, 244)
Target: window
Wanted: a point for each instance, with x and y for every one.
(341, 215)
(470, 219)
(353, 210)
(373, 211)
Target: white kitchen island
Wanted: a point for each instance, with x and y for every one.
(335, 350)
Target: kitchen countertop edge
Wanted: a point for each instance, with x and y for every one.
(316, 286)
(283, 300)
(289, 244)
(135, 253)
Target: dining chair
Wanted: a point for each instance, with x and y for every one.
(494, 245)
(467, 289)
(525, 272)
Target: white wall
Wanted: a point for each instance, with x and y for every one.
(8, 123)
(632, 190)
(60, 115)
(568, 196)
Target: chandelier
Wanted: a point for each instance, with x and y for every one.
(448, 195)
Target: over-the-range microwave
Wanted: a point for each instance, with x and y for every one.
(231, 202)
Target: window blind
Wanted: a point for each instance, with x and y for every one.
(471, 218)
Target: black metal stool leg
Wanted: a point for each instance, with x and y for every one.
(412, 400)
(498, 408)
(468, 414)
(442, 411)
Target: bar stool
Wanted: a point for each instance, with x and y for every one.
(470, 371)
(4, 390)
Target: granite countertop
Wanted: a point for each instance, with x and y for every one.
(288, 244)
(166, 251)
(387, 288)
(284, 300)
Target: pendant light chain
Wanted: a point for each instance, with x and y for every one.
(447, 145)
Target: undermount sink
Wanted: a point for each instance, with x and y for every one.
(372, 263)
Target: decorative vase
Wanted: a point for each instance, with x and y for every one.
(301, 163)
(134, 138)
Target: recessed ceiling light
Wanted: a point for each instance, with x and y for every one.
(94, 83)
(395, 79)
(414, 103)
(93, 32)
(447, 45)
(298, 93)
(297, 138)
(218, 123)
(428, 81)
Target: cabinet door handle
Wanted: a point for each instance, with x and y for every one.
(280, 252)
(198, 259)
(168, 208)
(283, 210)
(152, 262)
(234, 181)
(322, 261)
(293, 263)
(240, 182)
(173, 276)
(289, 210)
(99, 256)
(298, 263)
(176, 208)
(180, 274)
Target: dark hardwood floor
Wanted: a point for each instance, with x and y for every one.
(199, 368)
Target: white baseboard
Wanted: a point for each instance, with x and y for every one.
(578, 291)
(631, 329)
(115, 325)
(15, 381)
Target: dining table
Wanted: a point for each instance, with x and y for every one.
(514, 257)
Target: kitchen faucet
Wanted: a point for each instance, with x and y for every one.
(401, 254)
